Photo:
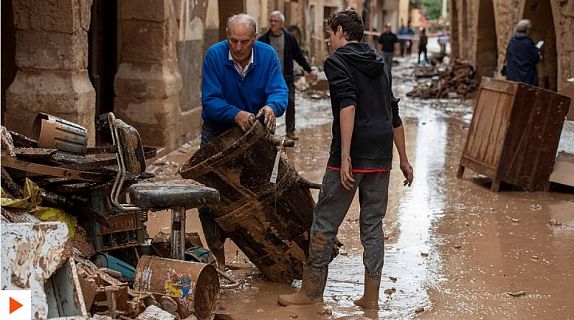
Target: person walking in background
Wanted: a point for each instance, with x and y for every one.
(287, 50)
(403, 34)
(241, 78)
(423, 45)
(366, 122)
(387, 42)
(522, 56)
(411, 34)
(443, 39)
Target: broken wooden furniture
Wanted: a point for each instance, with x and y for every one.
(177, 195)
(269, 222)
(514, 134)
(190, 288)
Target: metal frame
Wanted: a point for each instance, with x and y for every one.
(122, 171)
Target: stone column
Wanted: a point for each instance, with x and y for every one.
(52, 60)
(148, 82)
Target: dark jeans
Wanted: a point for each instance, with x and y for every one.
(332, 206)
(214, 235)
(290, 112)
(388, 58)
(423, 51)
(403, 46)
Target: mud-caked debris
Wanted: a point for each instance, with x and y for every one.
(155, 313)
(515, 294)
(390, 291)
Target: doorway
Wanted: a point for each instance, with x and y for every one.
(103, 53)
(486, 46)
(226, 10)
(540, 14)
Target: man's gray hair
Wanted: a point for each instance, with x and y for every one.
(523, 25)
(243, 18)
(277, 14)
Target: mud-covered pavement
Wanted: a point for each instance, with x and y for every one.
(453, 250)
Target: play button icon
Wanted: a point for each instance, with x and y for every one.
(14, 305)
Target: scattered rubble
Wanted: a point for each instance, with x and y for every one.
(458, 80)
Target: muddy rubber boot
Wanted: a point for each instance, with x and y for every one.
(314, 280)
(370, 299)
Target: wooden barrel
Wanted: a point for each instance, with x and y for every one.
(269, 222)
(194, 286)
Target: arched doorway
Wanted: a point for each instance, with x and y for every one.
(540, 14)
(486, 48)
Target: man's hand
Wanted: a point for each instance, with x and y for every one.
(407, 172)
(268, 117)
(347, 173)
(245, 120)
(312, 77)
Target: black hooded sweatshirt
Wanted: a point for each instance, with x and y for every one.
(358, 76)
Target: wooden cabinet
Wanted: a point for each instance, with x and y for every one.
(514, 134)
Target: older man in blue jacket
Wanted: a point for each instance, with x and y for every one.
(241, 79)
(522, 56)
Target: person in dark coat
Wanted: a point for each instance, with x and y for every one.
(522, 56)
(423, 45)
(287, 50)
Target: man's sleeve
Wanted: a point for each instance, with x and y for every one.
(397, 121)
(214, 105)
(276, 89)
(299, 57)
(343, 87)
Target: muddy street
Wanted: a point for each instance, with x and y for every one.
(453, 248)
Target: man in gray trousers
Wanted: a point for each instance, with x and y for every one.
(366, 122)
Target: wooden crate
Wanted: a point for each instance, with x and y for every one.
(514, 134)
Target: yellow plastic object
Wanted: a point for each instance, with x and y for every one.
(55, 214)
(31, 202)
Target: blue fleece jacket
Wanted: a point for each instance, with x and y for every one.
(224, 93)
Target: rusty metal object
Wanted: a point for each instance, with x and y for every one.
(269, 222)
(54, 132)
(194, 286)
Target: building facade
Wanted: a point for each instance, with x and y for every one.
(142, 59)
(481, 29)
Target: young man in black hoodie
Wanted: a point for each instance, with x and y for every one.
(366, 122)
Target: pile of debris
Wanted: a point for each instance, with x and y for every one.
(458, 80)
(61, 225)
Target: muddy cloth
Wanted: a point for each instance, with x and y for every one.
(521, 59)
(332, 206)
(358, 76)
